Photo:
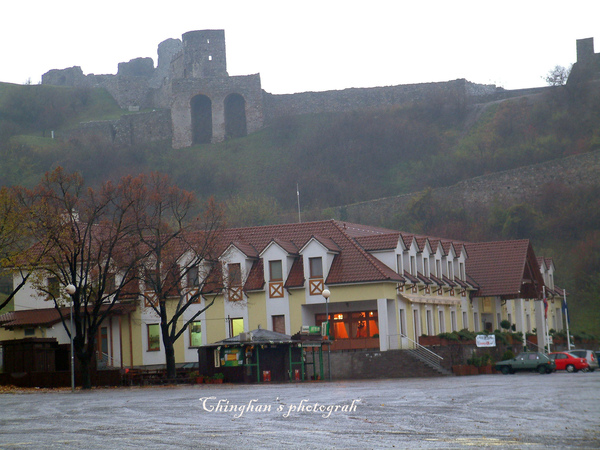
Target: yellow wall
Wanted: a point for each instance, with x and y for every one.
(257, 311)
(350, 293)
(215, 321)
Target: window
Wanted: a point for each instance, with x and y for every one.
(453, 321)
(450, 271)
(352, 325)
(413, 265)
(402, 322)
(192, 277)
(195, 334)
(279, 324)
(236, 326)
(462, 271)
(438, 268)
(426, 267)
(153, 337)
(399, 263)
(235, 274)
(275, 270)
(53, 287)
(29, 332)
(465, 319)
(476, 321)
(429, 323)
(441, 319)
(316, 267)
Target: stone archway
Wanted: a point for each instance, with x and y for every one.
(202, 128)
(235, 116)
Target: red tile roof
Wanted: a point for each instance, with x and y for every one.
(505, 268)
(353, 264)
(45, 317)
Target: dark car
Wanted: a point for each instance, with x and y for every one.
(527, 361)
(569, 362)
(589, 355)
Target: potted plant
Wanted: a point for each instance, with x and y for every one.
(218, 378)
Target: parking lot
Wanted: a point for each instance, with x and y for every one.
(515, 411)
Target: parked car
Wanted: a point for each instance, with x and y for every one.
(532, 361)
(569, 362)
(587, 354)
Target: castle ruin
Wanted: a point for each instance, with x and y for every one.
(193, 100)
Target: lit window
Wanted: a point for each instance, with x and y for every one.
(236, 326)
(275, 270)
(153, 337)
(316, 267)
(195, 334)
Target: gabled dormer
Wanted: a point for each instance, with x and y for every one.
(278, 257)
(317, 256)
(237, 260)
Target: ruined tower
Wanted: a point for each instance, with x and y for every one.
(207, 105)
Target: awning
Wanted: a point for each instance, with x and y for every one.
(431, 300)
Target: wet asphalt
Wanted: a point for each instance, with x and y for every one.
(518, 411)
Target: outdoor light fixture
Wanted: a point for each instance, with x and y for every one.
(71, 289)
(326, 295)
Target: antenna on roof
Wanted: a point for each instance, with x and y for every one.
(298, 195)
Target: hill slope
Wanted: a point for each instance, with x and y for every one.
(338, 159)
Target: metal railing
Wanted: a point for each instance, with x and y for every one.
(403, 342)
(104, 360)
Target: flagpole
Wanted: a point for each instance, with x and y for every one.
(566, 319)
(298, 195)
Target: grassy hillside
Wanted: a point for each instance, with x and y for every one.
(337, 159)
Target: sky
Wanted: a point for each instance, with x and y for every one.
(307, 45)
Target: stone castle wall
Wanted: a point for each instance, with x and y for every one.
(129, 130)
(507, 188)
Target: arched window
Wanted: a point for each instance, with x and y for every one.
(235, 116)
(201, 108)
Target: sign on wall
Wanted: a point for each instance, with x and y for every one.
(485, 341)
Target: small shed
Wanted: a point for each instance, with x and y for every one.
(262, 355)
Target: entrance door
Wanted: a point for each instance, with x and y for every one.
(279, 324)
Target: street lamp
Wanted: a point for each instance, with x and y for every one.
(71, 289)
(326, 295)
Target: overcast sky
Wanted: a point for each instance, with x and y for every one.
(308, 45)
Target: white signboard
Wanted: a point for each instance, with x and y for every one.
(485, 341)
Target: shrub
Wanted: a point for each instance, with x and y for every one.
(508, 354)
(505, 324)
(466, 335)
(454, 336)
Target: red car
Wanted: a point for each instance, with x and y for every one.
(568, 362)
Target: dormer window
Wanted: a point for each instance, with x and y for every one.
(462, 271)
(399, 263)
(413, 265)
(426, 267)
(316, 267)
(275, 279)
(192, 277)
(275, 270)
(450, 271)
(438, 268)
(234, 271)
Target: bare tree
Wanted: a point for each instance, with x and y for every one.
(179, 250)
(16, 234)
(558, 76)
(91, 240)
